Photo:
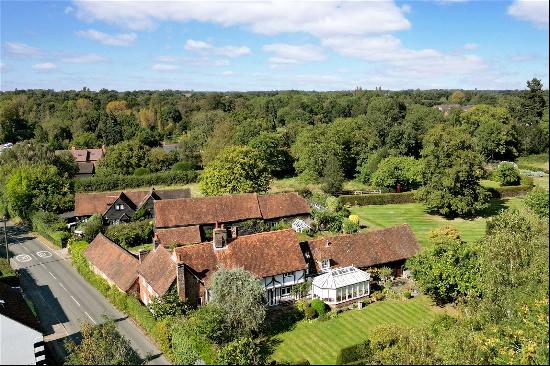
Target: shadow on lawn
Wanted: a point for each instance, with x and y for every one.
(496, 205)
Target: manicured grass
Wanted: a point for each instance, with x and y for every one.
(538, 161)
(291, 184)
(421, 222)
(541, 181)
(319, 342)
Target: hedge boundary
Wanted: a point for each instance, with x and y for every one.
(128, 304)
(533, 168)
(379, 199)
(510, 191)
(115, 182)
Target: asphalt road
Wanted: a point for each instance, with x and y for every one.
(64, 299)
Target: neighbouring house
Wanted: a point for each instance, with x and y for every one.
(274, 257)
(389, 247)
(86, 159)
(114, 263)
(169, 147)
(230, 210)
(119, 206)
(446, 108)
(21, 340)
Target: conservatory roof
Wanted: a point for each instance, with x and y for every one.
(341, 277)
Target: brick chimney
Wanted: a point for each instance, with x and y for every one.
(142, 254)
(219, 237)
(180, 280)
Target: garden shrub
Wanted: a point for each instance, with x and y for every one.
(301, 305)
(537, 201)
(349, 227)
(131, 234)
(354, 219)
(353, 353)
(407, 294)
(379, 199)
(378, 296)
(310, 313)
(327, 220)
(182, 166)
(507, 175)
(117, 182)
(510, 191)
(319, 306)
(91, 227)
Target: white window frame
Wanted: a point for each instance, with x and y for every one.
(288, 274)
(119, 207)
(285, 289)
(325, 264)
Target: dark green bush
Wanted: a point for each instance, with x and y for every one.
(141, 171)
(353, 353)
(378, 199)
(310, 313)
(507, 175)
(50, 226)
(91, 227)
(131, 234)
(327, 220)
(115, 182)
(407, 294)
(182, 166)
(319, 306)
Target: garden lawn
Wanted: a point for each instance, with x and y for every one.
(319, 342)
(414, 214)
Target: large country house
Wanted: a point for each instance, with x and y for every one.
(117, 207)
(192, 220)
(277, 258)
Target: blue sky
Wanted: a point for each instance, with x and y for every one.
(269, 45)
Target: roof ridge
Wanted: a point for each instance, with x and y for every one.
(124, 250)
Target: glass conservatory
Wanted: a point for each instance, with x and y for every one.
(341, 284)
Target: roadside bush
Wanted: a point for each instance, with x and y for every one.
(91, 227)
(131, 234)
(141, 171)
(50, 226)
(507, 175)
(116, 182)
(378, 199)
(310, 313)
(319, 306)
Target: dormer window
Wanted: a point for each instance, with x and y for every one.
(325, 264)
(119, 207)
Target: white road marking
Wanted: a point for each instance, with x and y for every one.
(93, 321)
(23, 258)
(74, 300)
(42, 264)
(44, 254)
(51, 274)
(63, 287)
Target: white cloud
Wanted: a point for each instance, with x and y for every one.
(121, 39)
(264, 17)
(534, 11)
(387, 50)
(195, 61)
(471, 46)
(293, 54)
(22, 49)
(85, 58)
(44, 66)
(207, 48)
(68, 9)
(165, 67)
(522, 58)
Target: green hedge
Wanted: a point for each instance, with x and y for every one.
(510, 191)
(378, 199)
(158, 330)
(50, 226)
(114, 182)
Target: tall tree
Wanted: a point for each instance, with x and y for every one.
(451, 172)
(242, 299)
(237, 169)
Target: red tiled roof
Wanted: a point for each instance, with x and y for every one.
(95, 154)
(112, 260)
(196, 211)
(184, 235)
(366, 249)
(230, 208)
(263, 254)
(282, 205)
(80, 155)
(159, 270)
(87, 204)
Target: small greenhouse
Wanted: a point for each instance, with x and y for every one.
(341, 284)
